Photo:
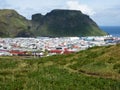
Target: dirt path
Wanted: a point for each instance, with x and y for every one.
(68, 68)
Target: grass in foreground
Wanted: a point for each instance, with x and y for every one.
(94, 69)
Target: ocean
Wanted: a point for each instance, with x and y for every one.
(112, 30)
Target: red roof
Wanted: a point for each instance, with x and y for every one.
(56, 51)
(60, 51)
(16, 52)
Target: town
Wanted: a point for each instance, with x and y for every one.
(46, 46)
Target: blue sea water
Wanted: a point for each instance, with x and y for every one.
(112, 30)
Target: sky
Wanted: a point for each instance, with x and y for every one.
(103, 12)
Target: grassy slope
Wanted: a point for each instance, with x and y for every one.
(11, 23)
(95, 69)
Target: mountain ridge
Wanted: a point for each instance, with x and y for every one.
(60, 22)
(57, 23)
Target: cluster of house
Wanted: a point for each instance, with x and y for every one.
(45, 46)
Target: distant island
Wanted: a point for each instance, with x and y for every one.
(57, 23)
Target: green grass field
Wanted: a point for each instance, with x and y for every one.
(97, 68)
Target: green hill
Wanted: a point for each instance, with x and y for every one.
(65, 23)
(12, 24)
(97, 68)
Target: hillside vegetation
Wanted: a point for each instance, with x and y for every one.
(97, 68)
(12, 24)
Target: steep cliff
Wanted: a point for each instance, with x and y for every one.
(65, 23)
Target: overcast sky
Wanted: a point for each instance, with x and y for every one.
(103, 12)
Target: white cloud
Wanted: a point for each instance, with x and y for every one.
(75, 5)
(108, 14)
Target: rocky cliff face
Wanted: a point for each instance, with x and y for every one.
(65, 23)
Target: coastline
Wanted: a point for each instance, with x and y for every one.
(111, 30)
